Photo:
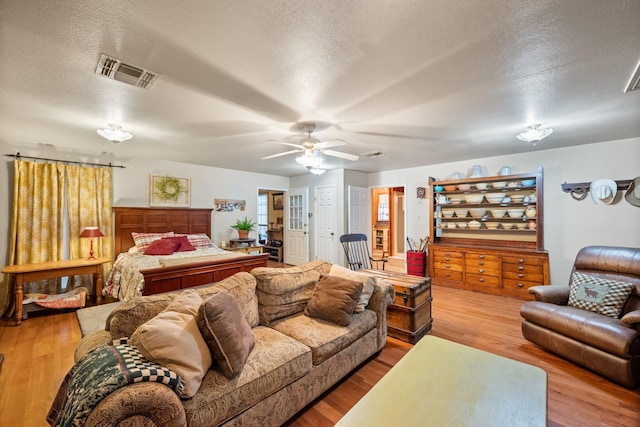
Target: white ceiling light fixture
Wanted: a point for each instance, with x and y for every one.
(115, 134)
(317, 171)
(309, 160)
(534, 134)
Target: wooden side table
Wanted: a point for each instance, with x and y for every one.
(51, 270)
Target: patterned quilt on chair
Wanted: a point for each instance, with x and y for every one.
(101, 372)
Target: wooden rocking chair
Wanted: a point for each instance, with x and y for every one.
(356, 248)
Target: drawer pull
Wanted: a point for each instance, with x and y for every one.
(447, 274)
(520, 268)
(481, 256)
(520, 275)
(480, 270)
(447, 259)
(520, 260)
(481, 263)
(447, 266)
(481, 279)
(520, 285)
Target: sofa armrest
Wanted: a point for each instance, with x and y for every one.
(89, 342)
(631, 319)
(558, 295)
(145, 403)
(383, 294)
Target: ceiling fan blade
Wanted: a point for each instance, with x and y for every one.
(282, 154)
(287, 143)
(345, 156)
(330, 143)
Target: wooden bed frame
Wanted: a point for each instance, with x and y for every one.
(178, 220)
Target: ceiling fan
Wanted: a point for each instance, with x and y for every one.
(312, 147)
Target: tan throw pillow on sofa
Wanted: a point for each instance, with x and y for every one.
(367, 284)
(599, 295)
(334, 300)
(226, 332)
(173, 340)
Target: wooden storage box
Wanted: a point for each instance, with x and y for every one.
(409, 324)
(409, 316)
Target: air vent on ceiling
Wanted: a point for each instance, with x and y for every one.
(115, 69)
(634, 81)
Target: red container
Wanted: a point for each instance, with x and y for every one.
(417, 263)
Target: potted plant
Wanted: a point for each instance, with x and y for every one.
(244, 226)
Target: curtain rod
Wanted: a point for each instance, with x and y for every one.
(18, 156)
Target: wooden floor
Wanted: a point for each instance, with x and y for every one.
(40, 351)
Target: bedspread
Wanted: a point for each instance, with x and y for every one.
(125, 280)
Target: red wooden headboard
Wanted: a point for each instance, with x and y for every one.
(157, 220)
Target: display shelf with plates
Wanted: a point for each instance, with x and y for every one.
(501, 215)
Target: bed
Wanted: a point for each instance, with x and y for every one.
(136, 274)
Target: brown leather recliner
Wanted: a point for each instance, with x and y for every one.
(602, 344)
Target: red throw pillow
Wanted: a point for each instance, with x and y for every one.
(162, 247)
(184, 245)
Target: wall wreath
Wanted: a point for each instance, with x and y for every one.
(169, 191)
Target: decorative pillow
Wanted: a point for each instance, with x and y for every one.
(334, 300)
(631, 320)
(285, 291)
(143, 240)
(184, 245)
(199, 241)
(598, 295)
(163, 246)
(226, 332)
(172, 339)
(367, 284)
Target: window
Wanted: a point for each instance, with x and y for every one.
(263, 216)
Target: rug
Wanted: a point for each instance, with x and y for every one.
(93, 319)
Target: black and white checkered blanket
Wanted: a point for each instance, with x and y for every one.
(100, 372)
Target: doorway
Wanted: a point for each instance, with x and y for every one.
(270, 227)
(388, 225)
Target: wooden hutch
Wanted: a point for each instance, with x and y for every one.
(488, 234)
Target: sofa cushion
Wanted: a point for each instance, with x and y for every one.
(594, 329)
(226, 332)
(334, 300)
(368, 282)
(242, 286)
(326, 339)
(172, 339)
(125, 319)
(285, 291)
(276, 361)
(599, 295)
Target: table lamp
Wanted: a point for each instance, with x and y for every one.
(91, 233)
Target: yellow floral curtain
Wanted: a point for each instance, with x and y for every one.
(88, 205)
(38, 220)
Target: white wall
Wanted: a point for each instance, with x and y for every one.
(569, 224)
(131, 187)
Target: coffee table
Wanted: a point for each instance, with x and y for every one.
(442, 383)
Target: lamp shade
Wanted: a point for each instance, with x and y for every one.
(91, 232)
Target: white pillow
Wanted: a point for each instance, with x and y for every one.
(367, 284)
(173, 340)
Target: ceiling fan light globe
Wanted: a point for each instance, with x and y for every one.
(317, 171)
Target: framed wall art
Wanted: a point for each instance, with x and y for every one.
(169, 191)
(278, 201)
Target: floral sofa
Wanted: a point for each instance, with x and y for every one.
(296, 353)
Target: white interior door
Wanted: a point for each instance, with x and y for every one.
(326, 241)
(296, 248)
(359, 211)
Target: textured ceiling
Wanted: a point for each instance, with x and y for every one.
(424, 82)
